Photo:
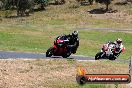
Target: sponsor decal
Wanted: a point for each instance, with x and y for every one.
(83, 78)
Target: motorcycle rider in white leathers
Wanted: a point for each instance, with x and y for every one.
(119, 47)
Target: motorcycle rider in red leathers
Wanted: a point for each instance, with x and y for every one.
(73, 41)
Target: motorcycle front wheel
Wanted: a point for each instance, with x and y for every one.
(49, 52)
(98, 55)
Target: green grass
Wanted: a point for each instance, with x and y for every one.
(87, 86)
(92, 41)
(94, 86)
(36, 33)
(39, 38)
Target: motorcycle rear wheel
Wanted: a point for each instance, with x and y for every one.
(112, 58)
(49, 52)
(66, 55)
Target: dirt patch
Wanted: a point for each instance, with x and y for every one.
(50, 73)
(35, 73)
(105, 67)
(120, 16)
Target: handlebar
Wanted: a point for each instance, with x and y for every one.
(66, 40)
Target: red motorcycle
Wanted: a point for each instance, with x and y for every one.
(59, 48)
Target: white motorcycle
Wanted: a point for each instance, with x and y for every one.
(106, 52)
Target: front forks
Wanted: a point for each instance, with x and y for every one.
(103, 53)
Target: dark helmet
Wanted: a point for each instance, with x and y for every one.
(75, 33)
(119, 41)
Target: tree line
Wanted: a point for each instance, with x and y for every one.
(24, 7)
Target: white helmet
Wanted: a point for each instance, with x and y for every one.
(119, 41)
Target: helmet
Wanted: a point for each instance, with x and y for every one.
(75, 33)
(119, 41)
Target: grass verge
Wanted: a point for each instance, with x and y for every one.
(34, 38)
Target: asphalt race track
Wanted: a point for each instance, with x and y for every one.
(25, 55)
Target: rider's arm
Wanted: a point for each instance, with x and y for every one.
(77, 42)
(121, 47)
(66, 40)
(57, 37)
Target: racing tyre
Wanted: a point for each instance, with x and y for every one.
(112, 58)
(66, 55)
(49, 52)
(98, 55)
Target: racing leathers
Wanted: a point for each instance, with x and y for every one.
(72, 42)
(118, 48)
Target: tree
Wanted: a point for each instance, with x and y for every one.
(91, 2)
(129, 1)
(57, 2)
(106, 2)
(22, 6)
(1, 4)
(43, 3)
(81, 1)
